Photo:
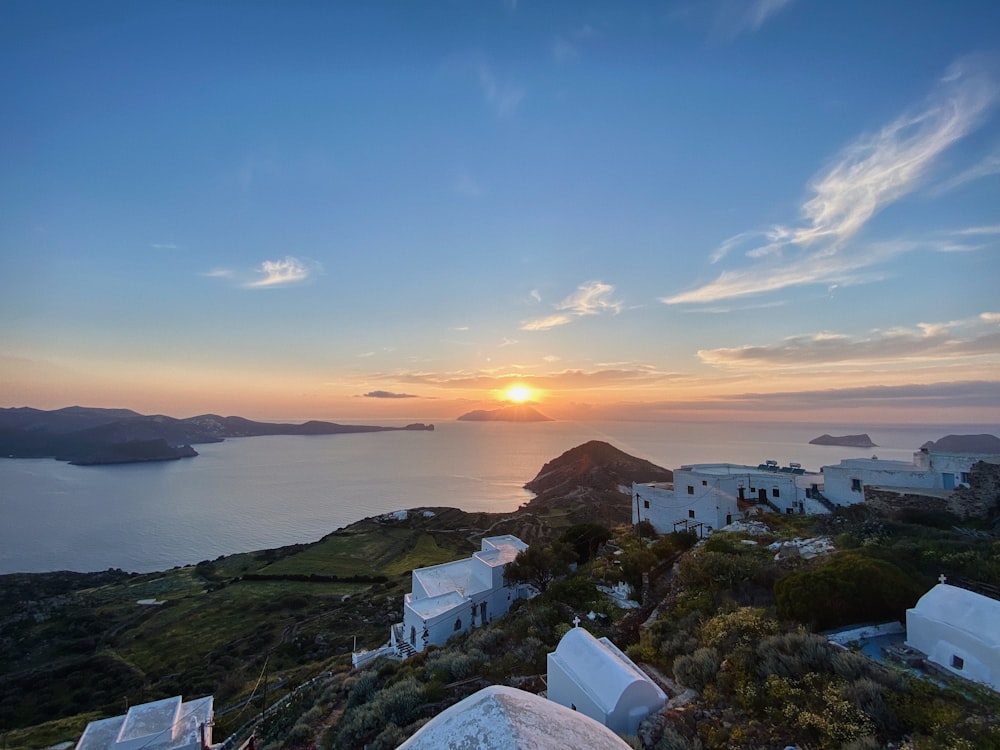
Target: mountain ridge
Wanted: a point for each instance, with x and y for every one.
(92, 435)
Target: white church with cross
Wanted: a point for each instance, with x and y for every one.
(959, 631)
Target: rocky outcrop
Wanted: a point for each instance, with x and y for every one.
(509, 413)
(966, 444)
(849, 441)
(592, 482)
(594, 465)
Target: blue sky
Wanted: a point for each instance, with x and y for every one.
(774, 209)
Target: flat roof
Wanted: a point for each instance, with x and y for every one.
(499, 556)
(876, 463)
(450, 576)
(433, 606)
(167, 724)
(731, 469)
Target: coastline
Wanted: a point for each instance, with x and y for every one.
(273, 491)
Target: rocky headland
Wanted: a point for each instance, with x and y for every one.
(592, 483)
(975, 444)
(86, 436)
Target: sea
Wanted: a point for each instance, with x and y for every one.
(257, 493)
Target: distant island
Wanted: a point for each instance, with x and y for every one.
(509, 413)
(850, 441)
(977, 444)
(87, 436)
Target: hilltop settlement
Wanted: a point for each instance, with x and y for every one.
(627, 605)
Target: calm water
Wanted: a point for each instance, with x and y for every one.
(255, 493)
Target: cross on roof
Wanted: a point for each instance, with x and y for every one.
(576, 621)
(942, 578)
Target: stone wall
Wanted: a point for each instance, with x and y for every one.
(975, 501)
(983, 493)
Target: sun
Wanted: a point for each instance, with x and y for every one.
(519, 394)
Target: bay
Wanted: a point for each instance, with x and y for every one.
(262, 492)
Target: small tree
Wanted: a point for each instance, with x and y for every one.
(539, 565)
(586, 539)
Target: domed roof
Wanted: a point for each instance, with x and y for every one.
(504, 718)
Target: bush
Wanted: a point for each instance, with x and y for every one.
(585, 539)
(848, 588)
(697, 670)
(741, 627)
(361, 689)
(794, 655)
(300, 734)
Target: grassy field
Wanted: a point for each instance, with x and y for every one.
(94, 647)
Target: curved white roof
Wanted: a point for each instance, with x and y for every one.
(504, 718)
(963, 609)
(600, 668)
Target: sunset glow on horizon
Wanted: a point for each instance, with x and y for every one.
(374, 211)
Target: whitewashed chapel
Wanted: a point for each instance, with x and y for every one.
(455, 597)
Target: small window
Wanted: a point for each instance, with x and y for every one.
(855, 485)
(965, 477)
(690, 489)
(957, 662)
(458, 624)
(704, 483)
(690, 514)
(753, 489)
(776, 492)
(645, 504)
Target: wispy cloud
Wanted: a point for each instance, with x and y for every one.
(273, 273)
(976, 231)
(989, 166)
(873, 172)
(503, 96)
(953, 394)
(938, 342)
(592, 298)
(163, 246)
(219, 273)
(630, 374)
(736, 17)
(563, 51)
(388, 394)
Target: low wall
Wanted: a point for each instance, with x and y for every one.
(975, 501)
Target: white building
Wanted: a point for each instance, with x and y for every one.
(505, 718)
(455, 597)
(168, 724)
(705, 497)
(592, 676)
(930, 470)
(958, 630)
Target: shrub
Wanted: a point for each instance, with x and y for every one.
(697, 670)
(299, 734)
(674, 740)
(585, 539)
(741, 627)
(363, 689)
(794, 655)
(846, 589)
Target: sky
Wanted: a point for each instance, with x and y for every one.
(736, 209)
